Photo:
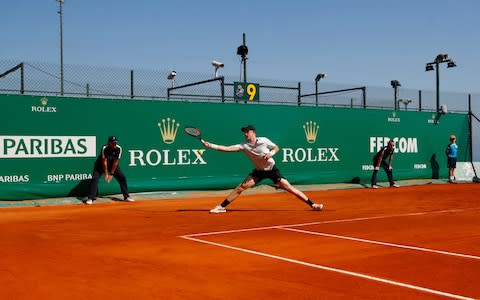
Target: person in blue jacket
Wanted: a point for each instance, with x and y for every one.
(451, 153)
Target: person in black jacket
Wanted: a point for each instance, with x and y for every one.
(107, 164)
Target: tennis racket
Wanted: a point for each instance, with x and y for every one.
(194, 132)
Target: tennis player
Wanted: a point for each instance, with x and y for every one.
(380, 160)
(260, 150)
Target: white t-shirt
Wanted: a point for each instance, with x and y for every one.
(256, 151)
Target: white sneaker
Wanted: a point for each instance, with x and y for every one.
(218, 209)
(317, 206)
(89, 202)
(395, 185)
(129, 199)
(374, 186)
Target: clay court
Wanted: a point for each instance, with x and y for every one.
(416, 242)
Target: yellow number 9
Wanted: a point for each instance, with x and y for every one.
(251, 91)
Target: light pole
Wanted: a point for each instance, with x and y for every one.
(242, 51)
(395, 84)
(317, 79)
(60, 12)
(441, 58)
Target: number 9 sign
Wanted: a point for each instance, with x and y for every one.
(246, 91)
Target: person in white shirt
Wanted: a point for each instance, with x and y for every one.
(260, 150)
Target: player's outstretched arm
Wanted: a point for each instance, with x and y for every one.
(233, 148)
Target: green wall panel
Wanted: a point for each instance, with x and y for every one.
(48, 144)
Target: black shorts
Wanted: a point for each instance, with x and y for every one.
(452, 162)
(274, 175)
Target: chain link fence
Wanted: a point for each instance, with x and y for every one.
(108, 82)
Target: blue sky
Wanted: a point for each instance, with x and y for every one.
(355, 42)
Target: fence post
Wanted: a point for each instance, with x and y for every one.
(131, 85)
(88, 90)
(470, 135)
(222, 88)
(22, 80)
(419, 100)
(299, 97)
(364, 97)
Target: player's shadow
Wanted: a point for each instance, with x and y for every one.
(235, 210)
(117, 199)
(435, 166)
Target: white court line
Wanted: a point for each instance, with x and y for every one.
(329, 222)
(345, 272)
(383, 243)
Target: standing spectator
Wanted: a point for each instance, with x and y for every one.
(451, 153)
(107, 164)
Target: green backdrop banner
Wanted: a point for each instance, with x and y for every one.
(48, 144)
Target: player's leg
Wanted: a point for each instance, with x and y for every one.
(389, 172)
(373, 180)
(247, 183)
(284, 184)
(452, 164)
(93, 187)
(122, 181)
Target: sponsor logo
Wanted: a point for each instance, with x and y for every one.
(167, 157)
(14, 178)
(393, 118)
(43, 107)
(311, 131)
(168, 130)
(17, 146)
(433, 120)
(402, 144)
(419, 166)
(310, 154)
(68, 177)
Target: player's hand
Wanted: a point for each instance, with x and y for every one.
(267, 156)
(205, 144)
(108, 178)
(389, 168)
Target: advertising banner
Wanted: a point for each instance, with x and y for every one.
(48, 145)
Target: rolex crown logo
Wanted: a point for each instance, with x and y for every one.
(311, 131)
(44, 101)
(168, 129)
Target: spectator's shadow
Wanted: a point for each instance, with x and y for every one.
(435, 166)
(81, 189)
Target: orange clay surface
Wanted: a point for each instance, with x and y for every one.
(416, 242)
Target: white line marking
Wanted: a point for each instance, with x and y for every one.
(330, 222)
(364, 276)
(383, 243)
